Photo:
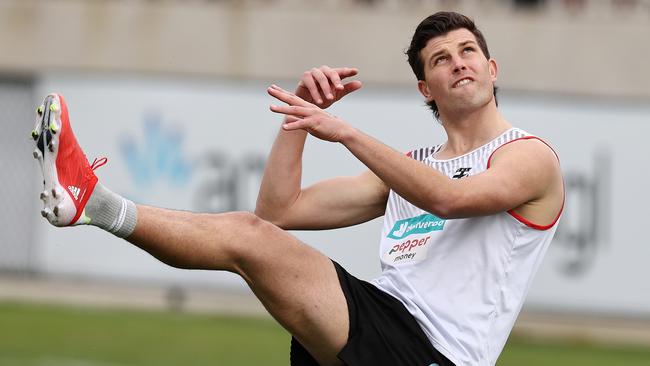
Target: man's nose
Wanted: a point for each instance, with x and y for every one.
(459, 64)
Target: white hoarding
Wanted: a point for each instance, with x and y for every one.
(201, 144)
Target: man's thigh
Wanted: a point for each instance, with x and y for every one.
(296, 283)
(299, 286)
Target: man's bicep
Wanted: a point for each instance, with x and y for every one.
(338, 202)
(519, 173)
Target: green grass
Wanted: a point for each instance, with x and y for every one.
(40, 335)
(527, 352)
(48, 335)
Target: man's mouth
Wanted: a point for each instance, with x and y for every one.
(462, 82)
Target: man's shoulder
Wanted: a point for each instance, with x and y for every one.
(519, 141)
(529, 150)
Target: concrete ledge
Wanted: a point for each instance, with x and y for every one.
(606, 330)
(104, 294)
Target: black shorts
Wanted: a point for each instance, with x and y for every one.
(382, 331)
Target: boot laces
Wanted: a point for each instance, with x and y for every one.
(98, 163)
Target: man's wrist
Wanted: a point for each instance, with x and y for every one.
(349, 136)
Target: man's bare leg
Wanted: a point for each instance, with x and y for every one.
(297, 284)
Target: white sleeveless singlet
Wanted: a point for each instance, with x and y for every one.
(464, 280)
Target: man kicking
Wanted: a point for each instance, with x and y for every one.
(466, 223)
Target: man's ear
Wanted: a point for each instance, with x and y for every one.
(424, 90)
(494, 69)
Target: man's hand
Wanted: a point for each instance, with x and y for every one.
(302, 115)
(324, 85)
(334, 203)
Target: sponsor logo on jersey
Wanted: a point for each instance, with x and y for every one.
(461, 172)
(416, 225)
(411, 250)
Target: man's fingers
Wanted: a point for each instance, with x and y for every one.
(323, 82)
(292, 110)
(309, 83)
(333, 76)
(346, 72)
(350, 87)
(299, 124)
(289, 98)
(289, 119)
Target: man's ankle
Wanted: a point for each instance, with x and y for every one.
(111, 212)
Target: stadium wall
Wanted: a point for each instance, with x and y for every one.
(200, 145)
(173, 93)
(593, 48)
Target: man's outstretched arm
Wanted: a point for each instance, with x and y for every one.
(337, 202)
(524, 176)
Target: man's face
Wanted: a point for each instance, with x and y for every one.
(458, 76)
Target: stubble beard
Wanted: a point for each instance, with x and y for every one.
(468, 103)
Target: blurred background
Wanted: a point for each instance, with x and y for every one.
(173, 92)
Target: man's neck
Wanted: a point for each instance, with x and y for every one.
(466, 132)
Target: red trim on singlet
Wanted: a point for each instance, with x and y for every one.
(517, 216)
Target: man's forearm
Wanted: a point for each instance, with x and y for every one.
(420, 185)
(417, 183)
(281, 183)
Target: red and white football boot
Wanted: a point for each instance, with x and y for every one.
(68, 178)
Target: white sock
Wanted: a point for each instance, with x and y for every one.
(111, 212)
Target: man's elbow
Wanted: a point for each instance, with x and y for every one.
(265, 214)
(271, 217)
(442, 212)
(446, 207)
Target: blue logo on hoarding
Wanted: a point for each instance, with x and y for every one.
(160, 156)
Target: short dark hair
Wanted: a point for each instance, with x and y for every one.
(436, 25)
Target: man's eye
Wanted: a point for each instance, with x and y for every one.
(439, 60)
(468, 49)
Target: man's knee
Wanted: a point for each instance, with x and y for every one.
(249, 235)
(252, 226)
